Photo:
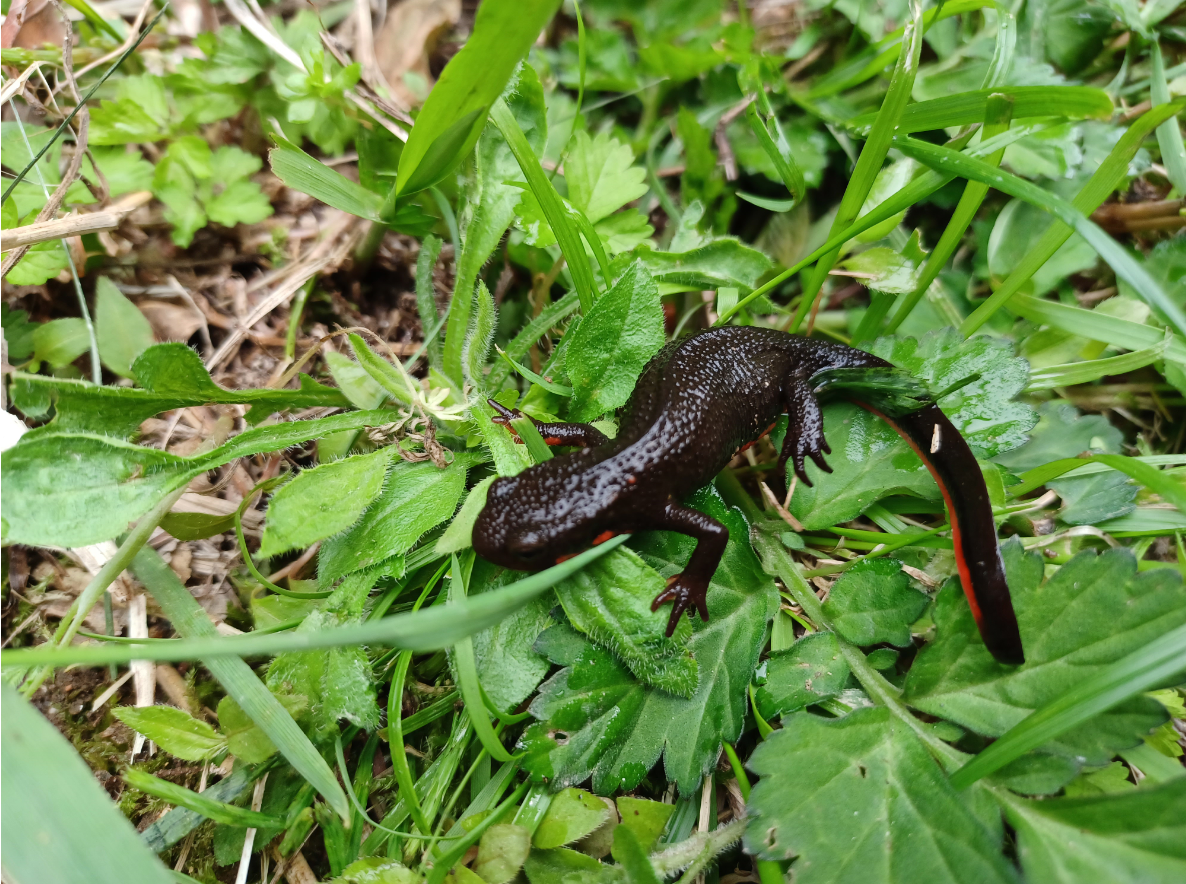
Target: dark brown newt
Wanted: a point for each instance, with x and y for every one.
(697, 402)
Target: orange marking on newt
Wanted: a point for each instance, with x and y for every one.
(553, 440)
(603, 537)
(565, 557)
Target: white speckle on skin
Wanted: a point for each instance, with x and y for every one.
(935, 440)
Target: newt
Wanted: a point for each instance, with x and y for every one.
(698, 402)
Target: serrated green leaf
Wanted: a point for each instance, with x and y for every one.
(613, 343)
(1135, 837)
(870, 461)
(596, 720)
(174, 730)
(721, 262)
(322, 501)
(810, 670)
(245, 739)
(1094, 611)
(120, 328)
(859, 798)
(601, 175)
(874, 602)
(610, 601)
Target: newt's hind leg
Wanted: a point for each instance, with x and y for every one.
(580, 435)
(689, 590)
(805, 433)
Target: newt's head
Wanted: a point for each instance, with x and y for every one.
(538, 518)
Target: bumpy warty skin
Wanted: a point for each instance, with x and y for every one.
(696, 403)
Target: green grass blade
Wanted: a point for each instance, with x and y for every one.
(1106, 178)
(454, 114)
(467, 675)
(776, 149)
(532, 440)
(1148, 475)
(525, 372)
(1097, 326)
(1169, 133)
(1092, 370)
(918, 189)
(998, 114)
(428, 630)
(302, 172)
(219, 811)
(1112, 252)
(240, 682)
(179, 822)
(395, 738)
(58, 823)
(872, 61)
(1139, 671)
(562, 224)
(872, 155)
(965, 108)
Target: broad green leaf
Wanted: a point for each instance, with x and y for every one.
(43, 261)
(172, 376)
(646, 819)
(59, 341)
(1108, 779)
(71, 489)
(1095, 610)
(415, 498)
(721, 262)
(459, 534)
(120, 328)
(1061, 431)
(1133, 838)
(245, 739)
(572, 815)
(873, 602)
(303, 173)
(613, 343)
(65, 827)
(18, 331)
(507, 664)
(322, 501)
(610, 601)
(378, 870)
(870, 461)
(454, 114)
(174, 730)
(809, 671)
(560, 865)
(596, 720)
(601, 175)
(859, 798)
(968, 108)
(501, 853)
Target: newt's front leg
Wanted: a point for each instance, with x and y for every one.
(689, 589)
(579, 435)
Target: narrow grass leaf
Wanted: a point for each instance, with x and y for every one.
(549, 317)
(1139, 671)
(1126, 267)
(1122, 333)
(303, 173)
(872, 154)
(965, 108)
(1148, 475)
(428, 630)
(1169, 133)
(1092, 370)
(240, 682)
(1106, 178)
(565, 229)
(220, 812)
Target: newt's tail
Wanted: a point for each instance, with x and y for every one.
(982, 572)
